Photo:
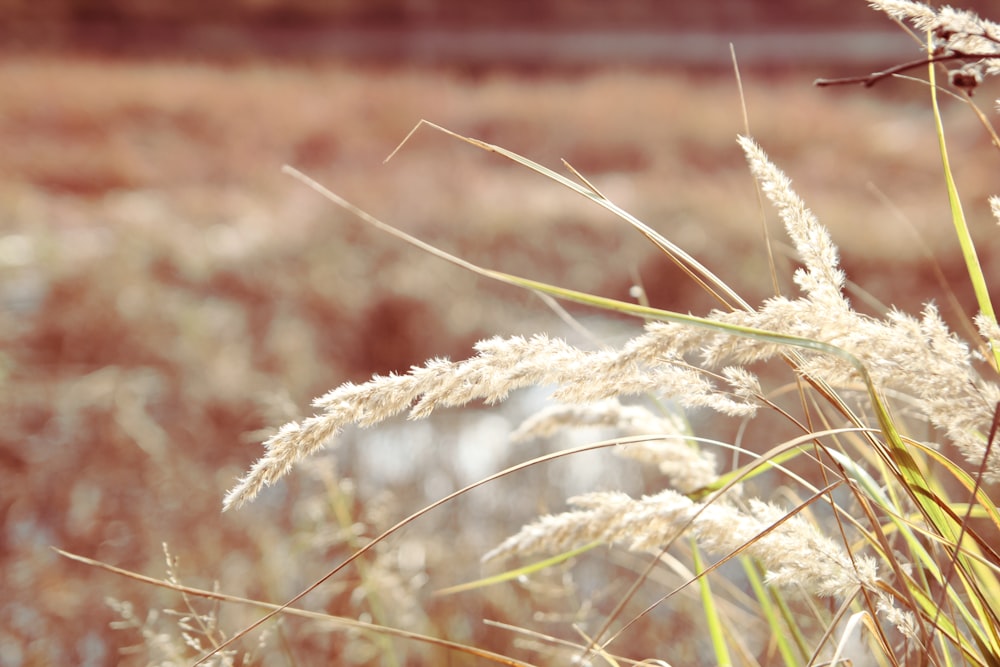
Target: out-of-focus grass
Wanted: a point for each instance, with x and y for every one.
(162, 285)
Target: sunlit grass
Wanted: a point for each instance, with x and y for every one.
(930, 598)
(171, 318)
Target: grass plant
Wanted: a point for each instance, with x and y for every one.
(855, 521)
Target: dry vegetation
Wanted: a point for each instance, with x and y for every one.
(165, 293)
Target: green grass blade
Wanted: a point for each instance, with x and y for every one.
(516, 573)
(972, 263)
(715, 624)
(778, 617)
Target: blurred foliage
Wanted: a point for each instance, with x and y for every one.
(745, 15)
(165, 294)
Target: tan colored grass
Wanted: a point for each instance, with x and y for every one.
(178, 278)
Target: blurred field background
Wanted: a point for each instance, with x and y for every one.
(166, 294)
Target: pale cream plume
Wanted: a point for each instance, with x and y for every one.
(792, 550)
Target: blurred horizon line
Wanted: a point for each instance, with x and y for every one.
(524, 47)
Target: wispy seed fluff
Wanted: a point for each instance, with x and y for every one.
(793, 551)
(660, 439)
(651, 363)
(920, 14)
(963, 31)
(954, 32)
(822, 277)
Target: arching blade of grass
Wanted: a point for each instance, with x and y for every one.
(906, 466)
(968, 246)
(692, 267)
